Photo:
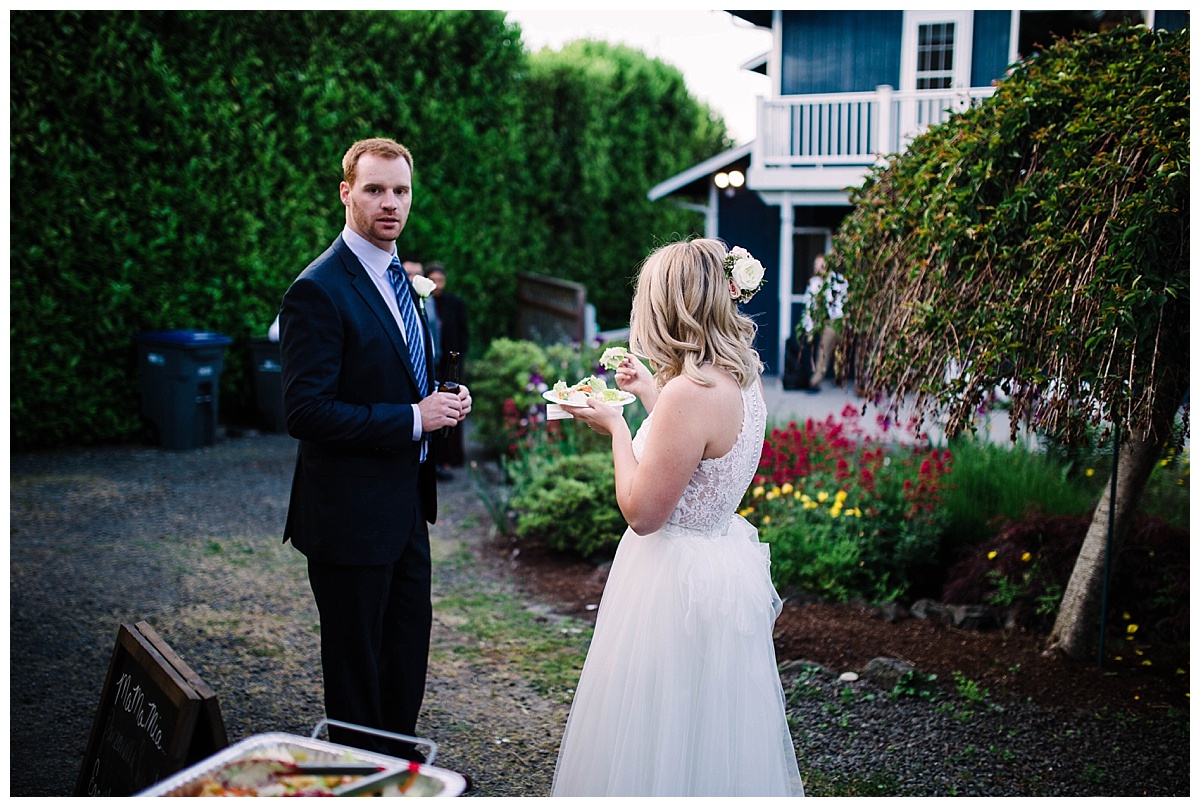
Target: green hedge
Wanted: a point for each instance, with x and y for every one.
(175, 170)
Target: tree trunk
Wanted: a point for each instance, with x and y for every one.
(1077, 615)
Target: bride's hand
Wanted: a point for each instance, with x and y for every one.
(600, 417)
(634, 377)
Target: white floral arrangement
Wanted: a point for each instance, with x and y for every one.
(745, 274)
(423, 286)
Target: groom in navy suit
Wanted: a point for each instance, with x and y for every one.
(358, 385)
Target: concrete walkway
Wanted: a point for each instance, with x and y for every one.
(799, 405)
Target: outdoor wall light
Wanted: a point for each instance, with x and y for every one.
(733, 179)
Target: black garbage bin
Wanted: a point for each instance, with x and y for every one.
(268, 383)
(180, 384)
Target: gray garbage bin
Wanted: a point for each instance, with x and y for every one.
(180, 384)
(268, 383)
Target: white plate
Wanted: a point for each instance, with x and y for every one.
(625, 399)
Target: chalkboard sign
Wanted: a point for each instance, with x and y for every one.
(155, 718)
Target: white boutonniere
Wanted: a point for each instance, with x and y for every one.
(423, 286)
(745, 274)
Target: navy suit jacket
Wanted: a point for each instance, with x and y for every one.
(359, 489)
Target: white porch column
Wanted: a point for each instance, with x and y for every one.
(884, 123)
(710, 216)
(787, 228)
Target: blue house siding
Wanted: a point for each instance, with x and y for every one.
(840, 51)
(990, 46)
(746, 221)
(1173, 20)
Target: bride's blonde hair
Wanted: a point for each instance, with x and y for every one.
(684, 316)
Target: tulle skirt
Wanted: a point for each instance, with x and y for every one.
(680, 694)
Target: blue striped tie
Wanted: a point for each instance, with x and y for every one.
(412, 325)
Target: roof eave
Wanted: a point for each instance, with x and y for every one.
(698, 171)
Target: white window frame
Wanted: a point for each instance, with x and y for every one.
(962, 21)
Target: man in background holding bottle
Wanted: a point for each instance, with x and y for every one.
(453, 337)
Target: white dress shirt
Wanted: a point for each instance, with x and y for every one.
(376, 262)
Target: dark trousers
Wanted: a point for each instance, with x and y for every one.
(375, 624)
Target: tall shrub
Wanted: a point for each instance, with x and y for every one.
(175, 170)
(603, 124)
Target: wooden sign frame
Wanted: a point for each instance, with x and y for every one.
(156, 717)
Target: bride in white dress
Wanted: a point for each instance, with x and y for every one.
(680, 694)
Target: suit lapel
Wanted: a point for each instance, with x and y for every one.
(362, 283)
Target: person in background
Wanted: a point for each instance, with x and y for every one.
(832, 290)
(358, 388)
(453, 332)
(415, 267)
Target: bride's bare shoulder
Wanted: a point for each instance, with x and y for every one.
(683, 393)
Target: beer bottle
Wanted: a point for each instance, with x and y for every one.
(450, 382)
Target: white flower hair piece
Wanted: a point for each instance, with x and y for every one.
(745, 274)
(423, 286)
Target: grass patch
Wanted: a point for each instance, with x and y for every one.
(819, 784)
(547, 653)
(1005, 481)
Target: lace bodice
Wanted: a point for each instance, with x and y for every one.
(718, 484)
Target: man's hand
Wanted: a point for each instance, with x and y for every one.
(444, 409)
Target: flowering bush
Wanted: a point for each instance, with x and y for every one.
(561, 475)
(509, 413)
(846, 514)
(567, 503)
(1026, 567)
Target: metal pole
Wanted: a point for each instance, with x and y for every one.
(1112, 508)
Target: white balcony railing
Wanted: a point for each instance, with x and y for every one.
(850, 129)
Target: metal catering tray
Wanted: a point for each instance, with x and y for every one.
(430, 781)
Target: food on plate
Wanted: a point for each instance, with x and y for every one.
(590, 387)
(612, 357)
(282, 774)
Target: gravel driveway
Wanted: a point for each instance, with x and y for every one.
(189, 542)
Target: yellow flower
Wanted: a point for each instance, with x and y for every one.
(811, 505)
(1146, 662)
(1125, 615)
(775, 490)
(804, 498)
(1180, 671)
(760, 490)
(1165, 462)
(1026, 557)
(745, 511)
(797, 495)
(822, 496)
(856, 513)
(787, 488)
(1089, 472)
(772, 494)
(1131, 628)
(766, 519)
(841, 496)
(992, 555)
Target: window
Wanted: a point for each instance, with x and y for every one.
(935, 53)
(935, 56)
